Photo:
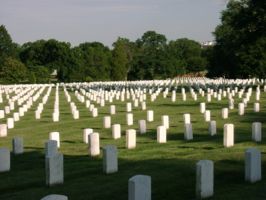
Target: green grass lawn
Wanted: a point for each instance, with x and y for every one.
(171, 165)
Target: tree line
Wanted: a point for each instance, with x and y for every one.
(239, 52)
(149, 57)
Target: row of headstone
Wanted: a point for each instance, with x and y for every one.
(39, 109)
(56, 113)
(205, 173)
(103, 95)
(27, 96)
(134, 90)
(139, 186)
(10, 123)
(228, 134)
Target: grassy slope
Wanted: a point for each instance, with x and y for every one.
(171, 165)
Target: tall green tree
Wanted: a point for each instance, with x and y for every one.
(187, 54)
(240, 41)
(122, 56)
(149, 61)
(7, 47)
(96, 61)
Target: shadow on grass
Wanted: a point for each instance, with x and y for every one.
(172, 178)
(254, 117)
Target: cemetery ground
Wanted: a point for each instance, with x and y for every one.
(172, 166)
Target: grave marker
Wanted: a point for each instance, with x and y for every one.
(139, 188)
(110, 162)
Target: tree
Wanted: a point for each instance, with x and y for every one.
(149, 60)
(39, 74)
(96, 61)
(53, 55)
(13, 71)
(7, 47)
(240, 41)
(122, 56)
(186, 55)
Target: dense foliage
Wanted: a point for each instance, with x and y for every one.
(149, 57)
(240, 49)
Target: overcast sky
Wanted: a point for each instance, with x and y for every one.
(77, 21)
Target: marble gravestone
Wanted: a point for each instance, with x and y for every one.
(139, 188)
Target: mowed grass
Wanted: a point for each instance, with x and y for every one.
(171, 165)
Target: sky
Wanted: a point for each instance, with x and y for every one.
(78, 21)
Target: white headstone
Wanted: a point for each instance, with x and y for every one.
(112, 110)
(55, 117)
(229, 135)
(207, 115)
(129, 119)
(129, 107)
(257, 96)
(55, 136)
(21, 111)
(107, 122)
(257, 107)
(2, 114)
(7, 109)
(150, 116)
(16, 116)
(136, 103)
(110, 162)
(231, 104)
(50, 148)
(204, 179)
(54, 168)
(224, 113)
(94, 112)
(86, 133)
(130, 139)
(139, 188)
(94, 147)
(4, 160)
(37, 114)
(173, 97)
(161, 134)
(219, 97)
(116, 131)
(10, 123)
(212, 128)
(252, 165)
(88, 103)
(142, 126)
(17, 144)
(12, 105)
(186, 117)
(76, 114)
(188, 133)
(241, 109)
(165, 121)
(3, 130)
(143, 105)
(202, 107)
(256, 131)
